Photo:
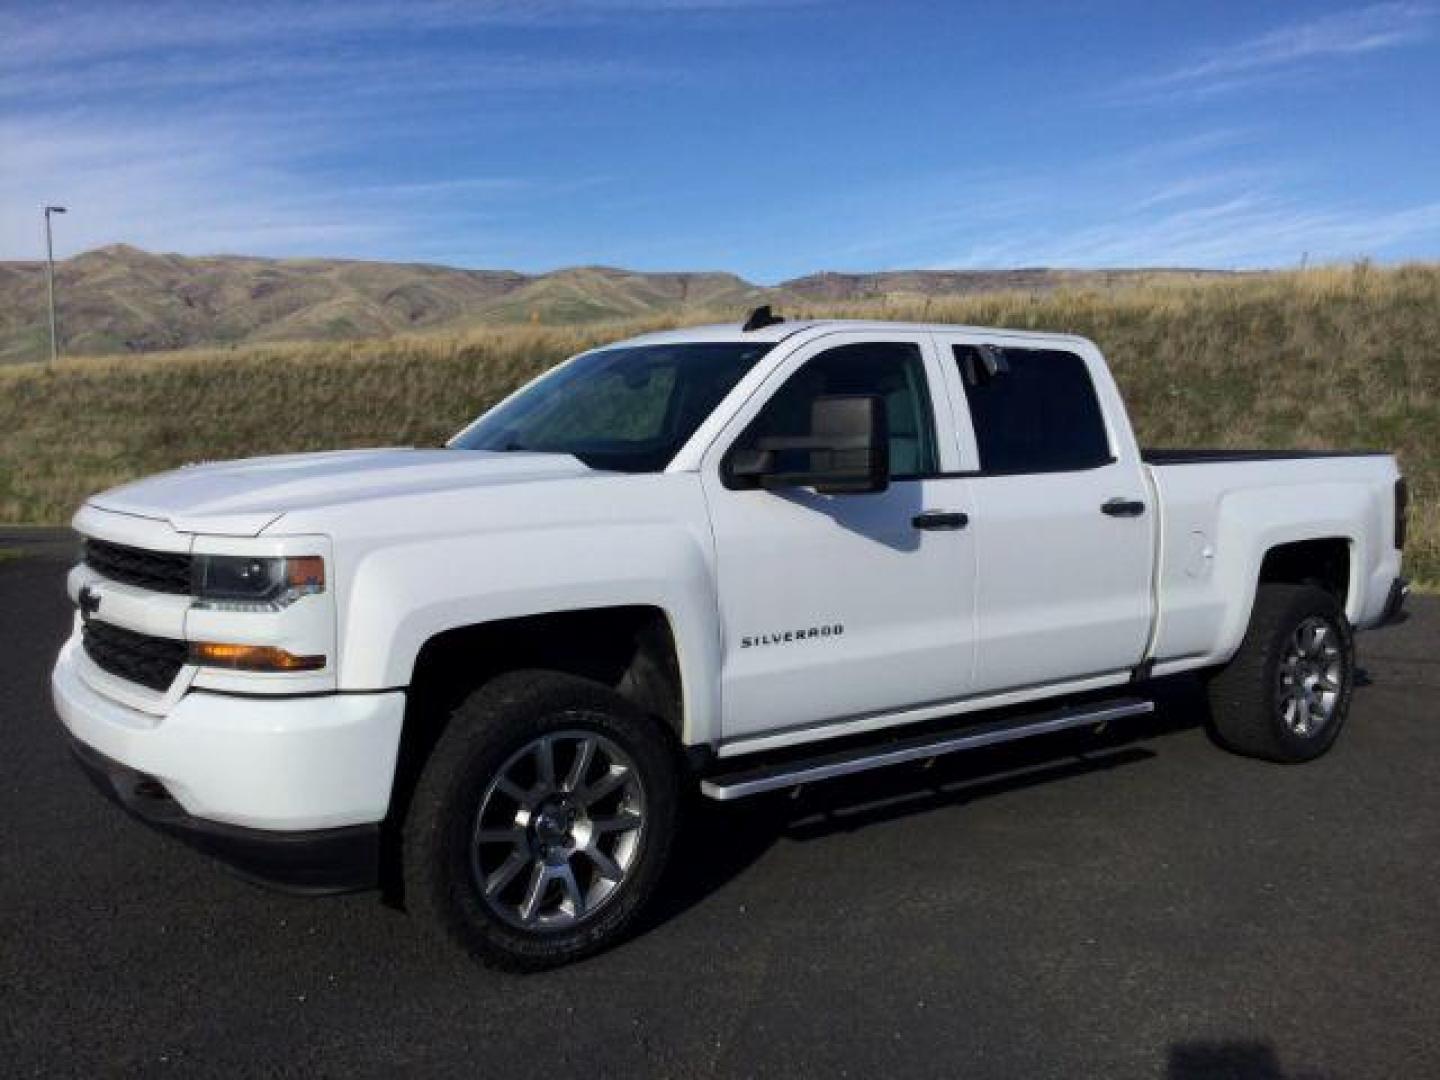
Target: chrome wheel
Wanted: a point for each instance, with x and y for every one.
(1311, 674)
(558, 830)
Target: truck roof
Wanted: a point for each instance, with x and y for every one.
(780, 331)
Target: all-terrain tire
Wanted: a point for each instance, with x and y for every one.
(1255, 700)
(494, 735)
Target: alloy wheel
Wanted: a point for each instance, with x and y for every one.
(558, 830)
(1310, 678)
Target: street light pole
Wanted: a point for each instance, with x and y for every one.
(50, 279)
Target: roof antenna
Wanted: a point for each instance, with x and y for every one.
(760, 318)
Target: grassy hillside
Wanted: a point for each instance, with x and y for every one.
(1326, 358)
(119, 300)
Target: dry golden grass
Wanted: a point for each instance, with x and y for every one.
(1329, 358)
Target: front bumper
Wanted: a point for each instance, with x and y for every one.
(312, 861)
(241, 772)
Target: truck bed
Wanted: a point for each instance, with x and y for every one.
(1166, 456)
(1223, 510)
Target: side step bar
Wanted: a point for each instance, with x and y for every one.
(738, 785)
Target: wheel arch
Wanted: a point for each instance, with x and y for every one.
(1327, 561)
(630, 648)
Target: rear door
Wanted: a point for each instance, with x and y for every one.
(1062, 517)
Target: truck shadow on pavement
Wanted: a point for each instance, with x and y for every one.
(1242, 1059)
(723, 839)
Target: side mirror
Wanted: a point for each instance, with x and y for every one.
(846, 452)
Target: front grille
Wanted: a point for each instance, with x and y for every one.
(158, 571)
(138, 658)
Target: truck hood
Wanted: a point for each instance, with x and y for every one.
(242, 498)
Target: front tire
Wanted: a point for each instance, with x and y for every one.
(1285, 694)
(542, 821)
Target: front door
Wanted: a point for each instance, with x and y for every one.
(835, 607)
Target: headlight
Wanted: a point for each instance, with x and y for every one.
(251, 583)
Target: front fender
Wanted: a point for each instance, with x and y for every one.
(405, 594)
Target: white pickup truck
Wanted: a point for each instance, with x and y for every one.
(724, 559)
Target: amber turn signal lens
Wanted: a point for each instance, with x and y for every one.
(251, 657)
(305, 574)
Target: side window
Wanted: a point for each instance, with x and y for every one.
(1037, 413)
(893, 370)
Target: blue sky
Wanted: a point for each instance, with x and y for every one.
(767, 137)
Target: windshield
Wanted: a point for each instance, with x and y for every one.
(626, 409)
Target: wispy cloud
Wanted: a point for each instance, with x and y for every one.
(200, 128)
(276, 76)
(226, 186)
(1208, 199)
(535, 133)
(1288, 51)
(218, 189)
(1238, 232)
(1170, 192)
(83, 31)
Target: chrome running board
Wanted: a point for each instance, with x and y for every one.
(757, 779)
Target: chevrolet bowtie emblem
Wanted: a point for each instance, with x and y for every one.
(89, 602)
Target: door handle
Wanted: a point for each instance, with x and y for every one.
(943, 520)
(1121, 507)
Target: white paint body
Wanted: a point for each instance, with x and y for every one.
(1041, 595)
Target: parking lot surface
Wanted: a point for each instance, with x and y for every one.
(1141, 904)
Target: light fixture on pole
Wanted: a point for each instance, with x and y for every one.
(50, 279)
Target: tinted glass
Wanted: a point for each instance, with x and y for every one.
(626, 409)
(1040, 415)
(893, 370)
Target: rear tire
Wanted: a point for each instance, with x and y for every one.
(541, 822)
(1285, 694)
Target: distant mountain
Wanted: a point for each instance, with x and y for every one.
(120, 299)
(830, 287)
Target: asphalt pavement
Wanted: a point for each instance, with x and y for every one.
(1139, 905)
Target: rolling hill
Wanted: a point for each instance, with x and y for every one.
(119, 299)
(1229, 361)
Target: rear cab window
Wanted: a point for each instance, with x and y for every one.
(1032, 410)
